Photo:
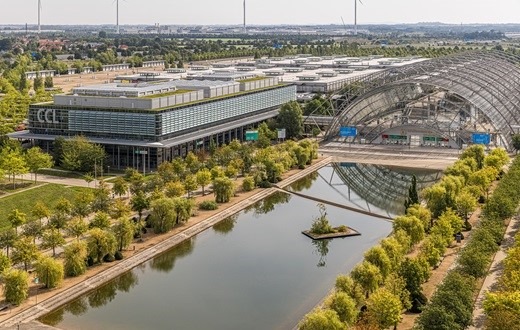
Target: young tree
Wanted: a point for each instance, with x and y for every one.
(120, 186)
(63, 206)
(203, 178)
(7, 239)
(101, 220)
(368, 276)
(25, 251)
(13, 163)
(100, 243)
(40, 211)
(119, 209)
(344, 306)
(36, 159)
(378, 257)
(139, 202)
(466, 203)
(224, 189)
(385, 308)
(182, 208)
(411, 225)
(33, 229)
(162, 215)
(413, 196)
(345, 283)
(76, 228)
(49, 271)
(190, 183)
(124, 233)
(174, 189)
(101, 200)
(321, 319)
(16, 219)
(16, 286)
(82, 204)
(52, 238)
(75, 256)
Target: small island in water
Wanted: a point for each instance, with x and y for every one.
(321, 228)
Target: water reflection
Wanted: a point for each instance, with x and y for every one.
(268, 204)
(166, 261)
(374, 188)
(321, 249)
(99, 297)
(226, 226)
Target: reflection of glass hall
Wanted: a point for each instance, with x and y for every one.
(441, 102)
(378, 186)
(149, 132)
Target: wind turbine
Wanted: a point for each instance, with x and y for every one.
(355, 15)
(39, 15)
(245, 29)
(117, 16)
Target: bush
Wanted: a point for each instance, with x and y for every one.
(208, 205)
(248, 184)
(109, 257)
(118, 255)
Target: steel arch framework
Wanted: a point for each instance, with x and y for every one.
(486, 82)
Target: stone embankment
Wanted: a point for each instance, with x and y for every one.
(44, 307)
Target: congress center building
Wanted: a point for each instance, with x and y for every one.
(144, 124)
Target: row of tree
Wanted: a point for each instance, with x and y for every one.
(388, 281)
(15, 161)
(502, 307)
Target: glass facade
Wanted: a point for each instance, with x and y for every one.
(153, 125)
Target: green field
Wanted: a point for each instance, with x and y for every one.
(24, 201)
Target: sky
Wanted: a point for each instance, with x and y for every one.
(259, 12)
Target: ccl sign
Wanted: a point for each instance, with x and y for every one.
(47, 116)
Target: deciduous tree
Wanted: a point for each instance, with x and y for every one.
(16, 286)
(50, 271)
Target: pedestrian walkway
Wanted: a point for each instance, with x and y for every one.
(495, 271)
(76, 182)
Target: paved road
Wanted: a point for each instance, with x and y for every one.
(62, 180)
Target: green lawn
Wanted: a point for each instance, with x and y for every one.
(24, 201)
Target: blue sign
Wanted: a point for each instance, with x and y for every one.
(347, 131)
(481, 138)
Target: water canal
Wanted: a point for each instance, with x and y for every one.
(254, 270)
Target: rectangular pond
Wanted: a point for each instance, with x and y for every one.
(255, 270)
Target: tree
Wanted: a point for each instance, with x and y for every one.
(100, 243)
(203, 178)
(49, 271)
(413, 196)
(82, 204)
(139, 202)
(101, 220)
(40, 211)
(190, 183)
(48, 83)
(33, 229)
(7, 239)
(393, 250)
(385, 308)
(123, 232)
(16, 219)
(344, 306)
(16, 286)
(421, 213)
(378, 257)
(224, 189)
(36, 159)
(368, 276)
(475, 152)
(345, 283)
(465, 203)
(435, 197)
(63, 206)
(265, 135)
(411, 225)
(101, 200)
(76, 228)
(162, 215)
(396, 285)
(290, 117)
(516, 142)
(174, 189)
(75, 256)
(119, 209)
(410, 271)
(13, 163)
(38, 83)
(120, 186)
(436, 318)
(25, 251)
(52, 238)
(321, 319)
